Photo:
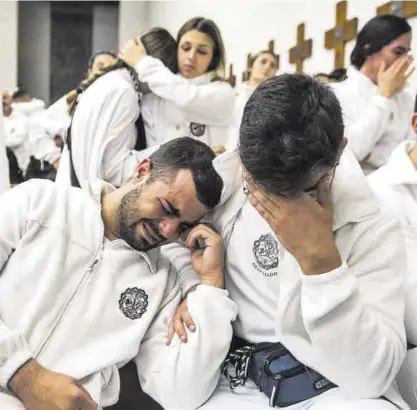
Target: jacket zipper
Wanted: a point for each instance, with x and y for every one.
(295, 371)
(78, 287)
(276, 355)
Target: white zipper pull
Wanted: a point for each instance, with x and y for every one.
(91, 267)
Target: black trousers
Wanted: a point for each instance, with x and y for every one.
(131, 395)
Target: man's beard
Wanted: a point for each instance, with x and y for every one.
(127, 223)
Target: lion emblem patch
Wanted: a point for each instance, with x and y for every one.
(133, 303)
(266, 251)
(197, 130)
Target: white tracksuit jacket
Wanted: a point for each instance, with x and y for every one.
(84, 307)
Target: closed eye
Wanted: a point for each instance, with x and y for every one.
(169, 209)
(165, 209)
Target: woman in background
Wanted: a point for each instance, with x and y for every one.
(195, 102)
(48, 128)
(263, 66)
(375, 100)
(107, 129)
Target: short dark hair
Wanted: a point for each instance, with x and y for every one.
(92, 59)
(209, 28)
(159, 43)
(188, 153)
(19, 94)
(292, 126)
(415, 105)
(376, 34)
(338, 74)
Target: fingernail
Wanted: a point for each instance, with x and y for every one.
(183, 338)
(192, 328)
(168, 342)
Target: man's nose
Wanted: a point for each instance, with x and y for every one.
(169, 227)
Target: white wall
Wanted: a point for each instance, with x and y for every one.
(105, 28)
(133, 19)
(248, 25)
(8, 35)
(35, 48)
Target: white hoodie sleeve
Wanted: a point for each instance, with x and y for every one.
(101, 132)
(210, 104)
(182, 376)
(354, 315)
(45, 126)
(14, 207)
(16, 131)
(42, 144)
(180, 257)
(363, 129)
(29, 108)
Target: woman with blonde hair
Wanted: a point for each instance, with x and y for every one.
(195, 102)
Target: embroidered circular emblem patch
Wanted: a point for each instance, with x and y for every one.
(197, 129)
(133, 303)
(266, 251)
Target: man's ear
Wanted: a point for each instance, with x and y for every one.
(344, 143)
(143, 171)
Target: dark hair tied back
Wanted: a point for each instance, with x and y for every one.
(376, 34)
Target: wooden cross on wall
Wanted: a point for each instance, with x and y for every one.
(271, 48)
(302, 50)
(232, 78)
(344, 31)
(403, 9)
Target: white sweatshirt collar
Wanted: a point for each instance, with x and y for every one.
(401, 168)
(361, 79)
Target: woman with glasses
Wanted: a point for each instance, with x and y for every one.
(376, 101)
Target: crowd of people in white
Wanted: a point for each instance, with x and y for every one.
(245, 248)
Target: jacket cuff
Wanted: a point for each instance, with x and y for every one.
(212, 295)
(325, 278)
(188, 279)
(382, 102)
(12, 364)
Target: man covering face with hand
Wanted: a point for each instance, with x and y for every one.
(314, 265)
